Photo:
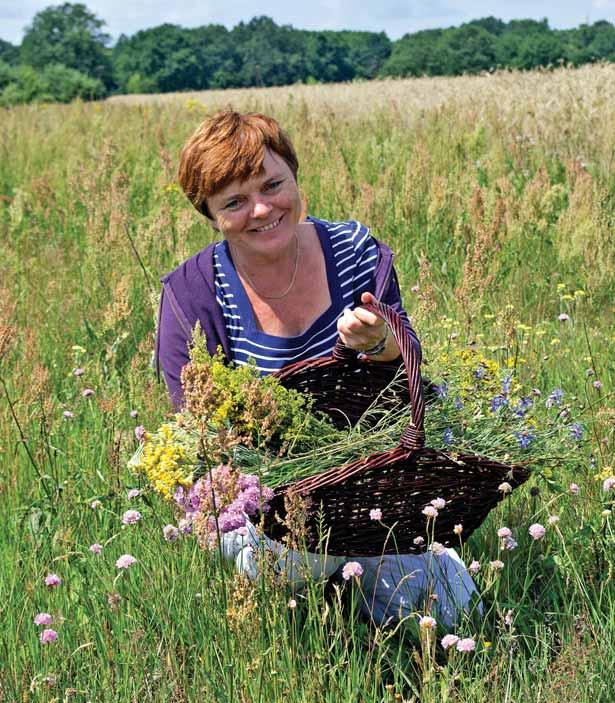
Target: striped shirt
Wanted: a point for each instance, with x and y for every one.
(350, 256)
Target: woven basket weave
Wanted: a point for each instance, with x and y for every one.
(401, 482)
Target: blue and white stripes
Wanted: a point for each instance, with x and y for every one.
(350, 256)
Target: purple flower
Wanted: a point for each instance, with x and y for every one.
(430, 512)
(448, 436)
(95, 504)
(43, 619)
(508, 618)
(442, 390)
(506, 383)
(608, 484)
(133, 493)
(52, 580)
(125, 561)
(375, 514)
(87, 392)
(185, 526)
(437, 549)
(458, 404)
(496, 565)
(68, 415)
(96, 548)
(170, 533)
(574, 489)
(48, 636)
(524, 439)
(555, 398)
(449, 641)
(597, 385)
(553, 519)
(474, 567)
(438, 503)
(576, 431)
(131, 517)
(427, 623)
(466, 645)
(352, 568)
(509, 544)
(537, 531)
(134, 413)
(480, 372)
(498, 402)
(139, 433)
(522, 406)
(78, 372)
(504, 532)
(562, 317)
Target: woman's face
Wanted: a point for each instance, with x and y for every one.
(259, 216)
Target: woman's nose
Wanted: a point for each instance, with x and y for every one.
(261, 208)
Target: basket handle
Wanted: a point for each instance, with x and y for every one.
(413, 437)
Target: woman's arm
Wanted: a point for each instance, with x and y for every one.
(172, 345)
(360, 329)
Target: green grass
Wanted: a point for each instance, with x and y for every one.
(493, 216)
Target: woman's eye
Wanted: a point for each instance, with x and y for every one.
(272, 185)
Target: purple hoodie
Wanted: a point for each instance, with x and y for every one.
(188, 295)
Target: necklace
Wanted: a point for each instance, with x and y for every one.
(292, 281)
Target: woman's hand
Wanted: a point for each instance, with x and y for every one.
(360, 329)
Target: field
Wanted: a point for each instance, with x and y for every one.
(497, 194)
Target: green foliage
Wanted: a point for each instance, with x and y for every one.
(180, 625)
(259, 411)
(8, 53)
(71, 35)
(259, 52)
(55, 83)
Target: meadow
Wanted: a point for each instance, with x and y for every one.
(497, 195)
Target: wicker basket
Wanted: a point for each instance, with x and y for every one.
(401, 482)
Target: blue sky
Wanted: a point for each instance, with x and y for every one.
(395, 17)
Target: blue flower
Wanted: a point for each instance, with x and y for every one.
(458, 403)
(497, 402)
(480, 372)
(442, 390)
(555, 398)
(506, 384)
(448, 436)
(522, 406)
(576, 431)
(524, 438)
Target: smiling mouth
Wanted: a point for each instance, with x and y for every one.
(269, 227)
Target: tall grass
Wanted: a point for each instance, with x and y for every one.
(497, 194)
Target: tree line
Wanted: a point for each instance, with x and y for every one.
(66, 54)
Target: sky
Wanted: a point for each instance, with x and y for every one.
(395, 17)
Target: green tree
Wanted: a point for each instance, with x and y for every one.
(55, 83)
(9, 53)
(470, 48)
(367, 51)
(269, 54)
(418, 54)
(169, 57)
(71, 35)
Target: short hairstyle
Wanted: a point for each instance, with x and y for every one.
(226, 147)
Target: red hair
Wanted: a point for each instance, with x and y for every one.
(226, 147)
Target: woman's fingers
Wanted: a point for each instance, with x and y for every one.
(360, 329)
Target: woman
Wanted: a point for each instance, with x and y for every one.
(281, 288)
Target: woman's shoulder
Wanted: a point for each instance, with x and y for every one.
(350, 232)
(193, 270)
